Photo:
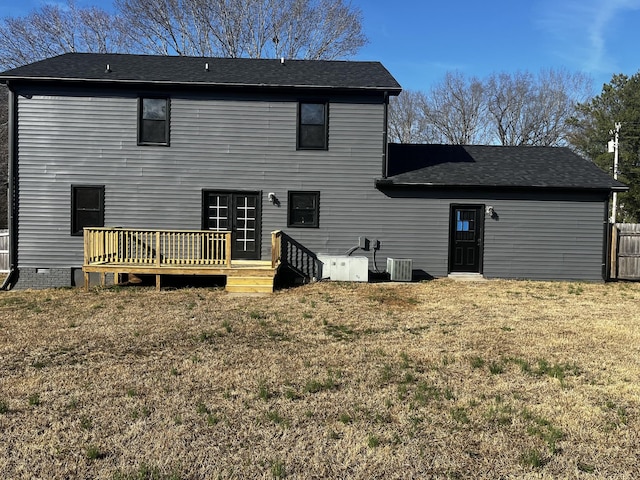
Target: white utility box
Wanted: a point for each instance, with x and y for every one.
(344, 268)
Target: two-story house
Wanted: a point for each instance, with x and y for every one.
(254, 146)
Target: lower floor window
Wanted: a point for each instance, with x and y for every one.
(304, 209)
(87, 207)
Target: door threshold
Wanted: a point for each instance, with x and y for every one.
(467, 277)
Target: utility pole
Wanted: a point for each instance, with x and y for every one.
(614, 147)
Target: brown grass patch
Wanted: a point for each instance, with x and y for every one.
(331, 380)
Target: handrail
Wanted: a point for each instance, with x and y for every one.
(156, 247)
(297, 258)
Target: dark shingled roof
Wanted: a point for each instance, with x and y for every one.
(228, 72)
(484, 166)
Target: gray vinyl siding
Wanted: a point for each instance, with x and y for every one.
(535, 235)
(249, 144)
(547, 240)
(215, 144)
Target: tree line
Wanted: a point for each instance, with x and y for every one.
(306, 29)
(519, 108)
(591, 129)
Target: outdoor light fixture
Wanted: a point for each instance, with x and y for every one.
(273, 199)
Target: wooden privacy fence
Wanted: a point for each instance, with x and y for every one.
(4, 251)
(625, 251)
(156, 247)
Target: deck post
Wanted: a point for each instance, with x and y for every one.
(228, 248)
(276, 246)
(158, 283)
(86, 234)
(86, 281)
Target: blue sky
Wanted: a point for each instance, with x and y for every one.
(420, 40)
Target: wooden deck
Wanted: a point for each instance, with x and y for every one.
(175, 252)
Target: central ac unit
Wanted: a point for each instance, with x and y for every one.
(400, 269)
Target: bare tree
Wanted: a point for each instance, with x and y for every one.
(506, 109)
(508, 97)
(307, 29)
(54, 29)
(164, 27)
(527, 110)
(407, 122)
(455, 108)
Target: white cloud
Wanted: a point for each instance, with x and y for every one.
(580, 29)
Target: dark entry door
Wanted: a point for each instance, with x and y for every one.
(238, 212)
(465, 238)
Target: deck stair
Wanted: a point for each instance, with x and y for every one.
(255, 281)
(250, 276)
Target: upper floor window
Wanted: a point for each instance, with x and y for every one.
(313, 120)
(153, 121)
(87, 207)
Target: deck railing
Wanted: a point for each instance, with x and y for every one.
(156, 247)
(298, 258)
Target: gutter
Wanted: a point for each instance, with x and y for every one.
(200, 84)
(12, 206)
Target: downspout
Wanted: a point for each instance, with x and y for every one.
(385, 133)
(12, 201)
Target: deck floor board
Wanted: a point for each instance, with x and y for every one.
(238, 268)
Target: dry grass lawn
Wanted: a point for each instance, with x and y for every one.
(433, 380)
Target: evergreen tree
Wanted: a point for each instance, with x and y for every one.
(592, 128)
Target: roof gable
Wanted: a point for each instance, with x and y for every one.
(228, 72)
(485, 166)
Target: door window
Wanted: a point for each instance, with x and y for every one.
(465, 240)
(239, 213)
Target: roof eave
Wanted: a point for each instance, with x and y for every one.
(392, 90)
(387, 183)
